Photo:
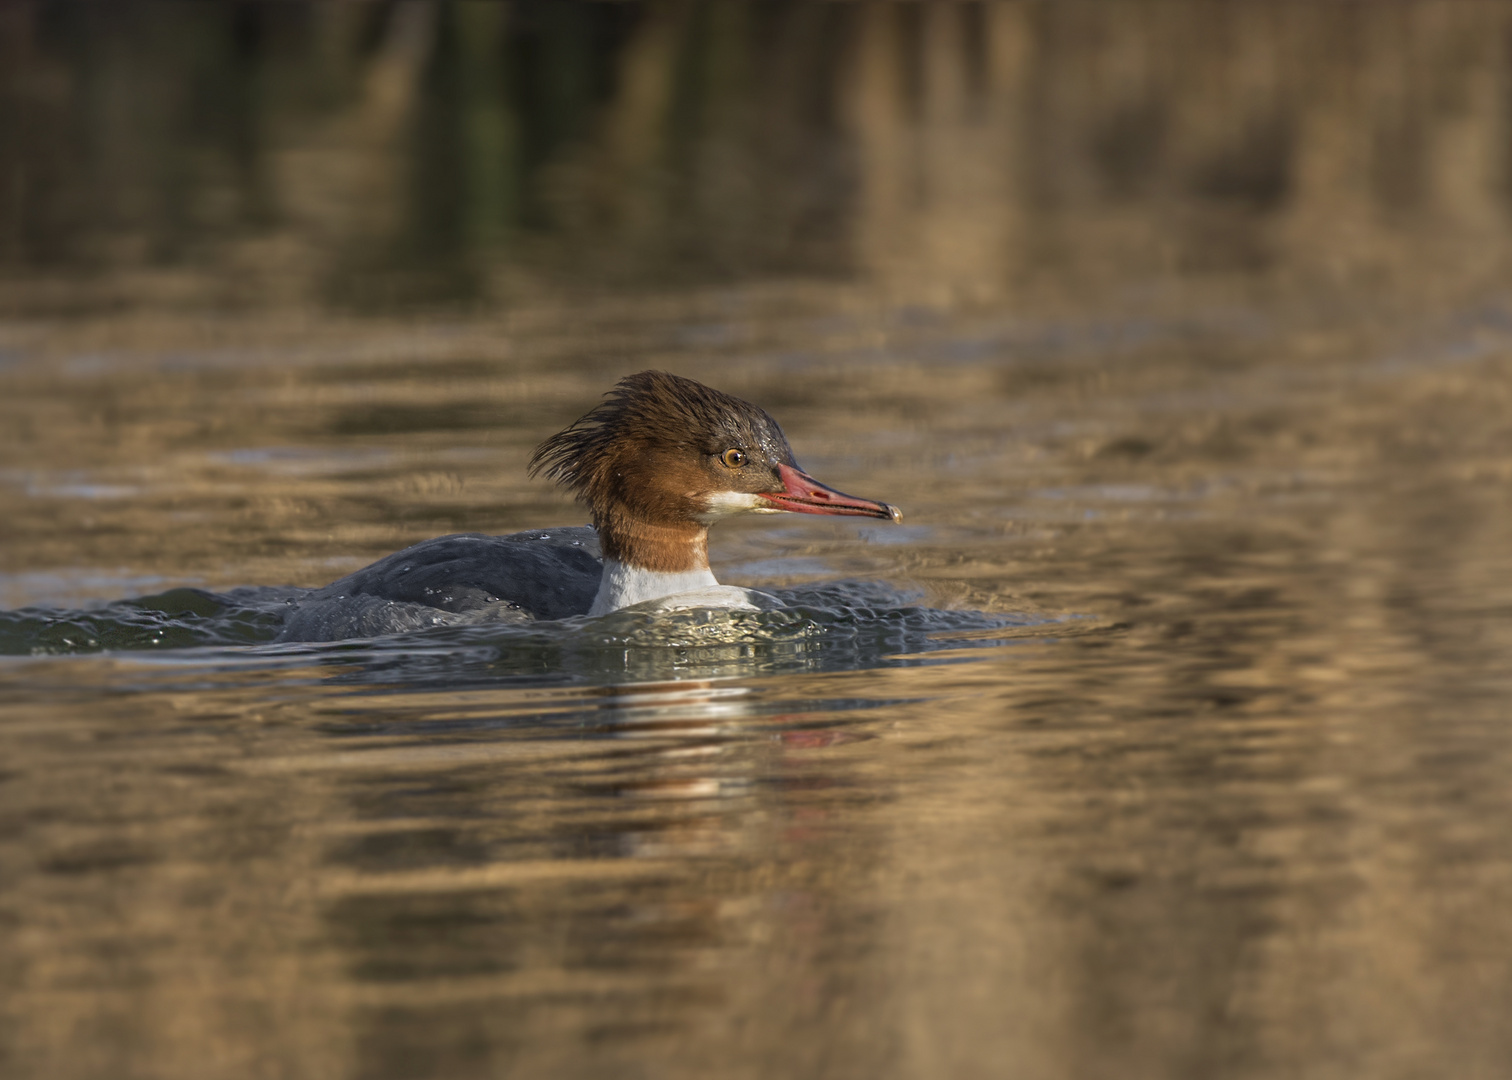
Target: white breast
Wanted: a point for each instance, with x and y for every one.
(624, 585)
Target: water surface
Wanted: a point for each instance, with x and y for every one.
(1168, 737)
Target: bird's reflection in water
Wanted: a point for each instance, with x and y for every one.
(612, 879)
(699, 751)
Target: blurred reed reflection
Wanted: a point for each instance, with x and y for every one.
(466, 152)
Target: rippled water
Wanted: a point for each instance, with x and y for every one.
(1170, 734)
(1168, 737)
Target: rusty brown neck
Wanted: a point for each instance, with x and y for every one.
(674, 548)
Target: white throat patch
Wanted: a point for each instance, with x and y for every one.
(723, 504)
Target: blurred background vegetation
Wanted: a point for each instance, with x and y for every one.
(479, 154)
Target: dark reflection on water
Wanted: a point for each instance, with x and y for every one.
(453, 152)
(1167, 738)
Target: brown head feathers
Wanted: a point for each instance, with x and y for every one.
(647, 457)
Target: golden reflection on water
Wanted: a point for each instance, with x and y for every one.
(1181, 325)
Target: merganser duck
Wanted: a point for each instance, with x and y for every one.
(658, 461)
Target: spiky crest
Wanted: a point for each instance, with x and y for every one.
(649, 413)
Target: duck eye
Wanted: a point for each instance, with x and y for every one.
(733, 458)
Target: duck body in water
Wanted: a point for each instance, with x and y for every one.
(658, 461)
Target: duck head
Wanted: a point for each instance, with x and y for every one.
(662, 458)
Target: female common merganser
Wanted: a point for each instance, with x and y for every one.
(658, 461)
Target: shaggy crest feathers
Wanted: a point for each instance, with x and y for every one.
(652, 424)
